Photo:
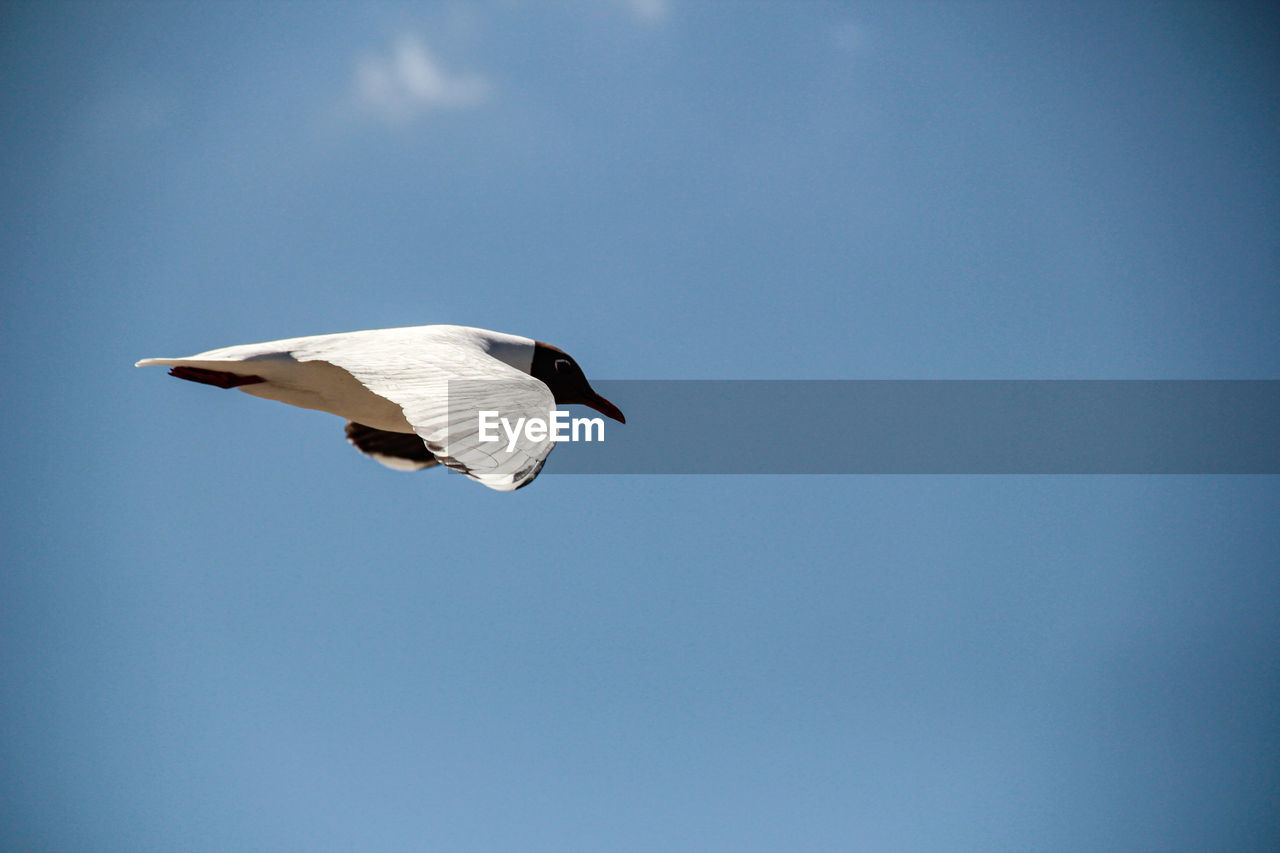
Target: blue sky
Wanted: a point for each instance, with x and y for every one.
(224, 629)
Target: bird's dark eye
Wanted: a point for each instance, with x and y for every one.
(562, 365)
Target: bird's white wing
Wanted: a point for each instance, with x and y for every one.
(442, 388)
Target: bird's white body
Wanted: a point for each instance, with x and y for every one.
(428, 380)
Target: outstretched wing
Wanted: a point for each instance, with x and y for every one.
(442, 389)
(432, 379)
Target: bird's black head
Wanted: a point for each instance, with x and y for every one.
(559, 372)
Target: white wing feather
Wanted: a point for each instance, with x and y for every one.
(439, 377)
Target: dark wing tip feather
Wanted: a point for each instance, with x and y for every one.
(400, 450)
(216, 378)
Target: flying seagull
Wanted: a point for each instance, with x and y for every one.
(411, 396)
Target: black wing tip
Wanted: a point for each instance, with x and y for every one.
(216, 378)
(384, 445)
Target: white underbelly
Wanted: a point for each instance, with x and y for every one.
(324, 387)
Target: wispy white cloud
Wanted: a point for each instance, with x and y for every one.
(649, 11)
(410, 81)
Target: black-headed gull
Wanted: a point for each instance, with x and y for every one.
(412, 395)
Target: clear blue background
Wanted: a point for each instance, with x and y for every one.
(223, 629)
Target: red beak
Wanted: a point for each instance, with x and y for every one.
(604, 407)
